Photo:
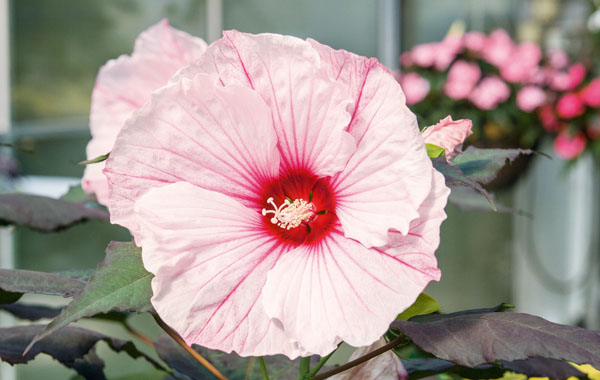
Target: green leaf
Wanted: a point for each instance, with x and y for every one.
(148, 375)
(31, 312)
(76, 194)
(474, 337)
(231, 365)
(101, 158)
(425, 304)
(483, 165)
(468, 199)
(9, 297)
(43, 213)
(501, 308)
(78, 274)
(456, 177)
(476, 167)
(424, 367)
(539, 367)
(177, 358)
(37, 312)
(26, 281)
(121, 283)
(434, 151)
(73, 347)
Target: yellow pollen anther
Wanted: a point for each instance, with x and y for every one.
(290, 214)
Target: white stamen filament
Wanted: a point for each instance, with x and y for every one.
(290, 214)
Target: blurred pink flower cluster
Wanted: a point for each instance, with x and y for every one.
(572, 113)
(516, 85)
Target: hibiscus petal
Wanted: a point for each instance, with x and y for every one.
(418, 246)
(310, 112)
(125, 84)
(94, 181)
(340, 290)
(210, 257)
(386, 366)
(449, 134)
(389, 175)
(170, 44)
(193, 130)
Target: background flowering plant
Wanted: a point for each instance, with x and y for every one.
(282, 200)
(514, 93)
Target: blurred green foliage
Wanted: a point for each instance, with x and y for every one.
(58, 47)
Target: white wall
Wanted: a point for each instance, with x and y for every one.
(555, 264)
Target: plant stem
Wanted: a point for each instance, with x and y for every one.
(320, 364)
(263, 368)
(146, 340)
(138, 334)
(250, 366)
(361, 360)
(173, 334)
(304, 368)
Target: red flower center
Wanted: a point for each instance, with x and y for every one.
(298, 207)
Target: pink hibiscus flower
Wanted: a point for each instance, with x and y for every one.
(462, 78)
(449, 134)
(569, 147)
(424, 55)
(577, 73)
(514, 71)
(591, 93)
(475, 41)
(528, 53)
(282, 195)
(522, 64)
(558, 59)
(490, 92)
(570, 105)
(125, 84)
(530, 97)
(446, 51)
(415, 87)
(499, 47)
(406, 59)
(559, 80)
(548, 118)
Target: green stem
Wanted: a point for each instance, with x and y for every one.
(320, 364)
(263, 368)
(303, 373)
